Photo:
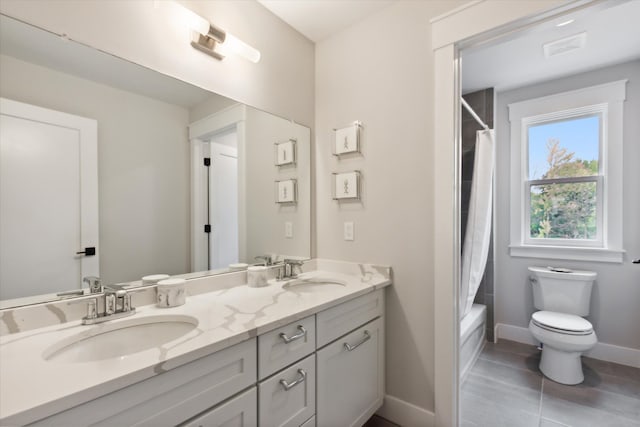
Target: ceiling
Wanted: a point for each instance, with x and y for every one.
(319, 19)
(612, 36)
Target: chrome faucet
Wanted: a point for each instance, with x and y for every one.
(116, 304)
(93, 283)
(267, 260)
(288, 269)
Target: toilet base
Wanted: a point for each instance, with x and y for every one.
(564, 367)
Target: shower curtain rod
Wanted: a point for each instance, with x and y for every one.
(473, 114)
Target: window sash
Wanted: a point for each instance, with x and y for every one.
(526, 230)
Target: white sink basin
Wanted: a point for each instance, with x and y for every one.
(313, 284)
(120, 339)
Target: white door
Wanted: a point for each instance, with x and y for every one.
(48, 200)
(223, 205)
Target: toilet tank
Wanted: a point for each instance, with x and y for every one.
(564, 292)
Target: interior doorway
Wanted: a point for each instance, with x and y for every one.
(48, 200)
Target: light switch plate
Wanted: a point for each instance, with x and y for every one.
(288, 230)
(348, 231)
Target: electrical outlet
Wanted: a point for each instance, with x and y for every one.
(288, 230)
(348, 231)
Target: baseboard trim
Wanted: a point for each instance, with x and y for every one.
(514, 333)
(405, 414)
(602, 351)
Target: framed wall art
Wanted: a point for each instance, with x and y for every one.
(346, 185)
(346, 140)
(287, 191)
(285, 152)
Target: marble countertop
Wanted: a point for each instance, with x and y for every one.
(32, 388)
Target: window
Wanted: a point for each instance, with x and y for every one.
(566, 198)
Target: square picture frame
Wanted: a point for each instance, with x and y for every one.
(285, 152)
(346, 140)
(346, 185)
(287, 191)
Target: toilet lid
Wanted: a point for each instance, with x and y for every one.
(562, 322)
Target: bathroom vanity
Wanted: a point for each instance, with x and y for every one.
(298, 352)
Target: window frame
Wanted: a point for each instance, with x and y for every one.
(599, 110)
(605, 101)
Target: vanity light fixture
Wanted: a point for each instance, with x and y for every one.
(216, 42)
(210, 39)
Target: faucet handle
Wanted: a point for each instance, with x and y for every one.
(266, 259)
(94, 283)
(291, 265)
(92, 307)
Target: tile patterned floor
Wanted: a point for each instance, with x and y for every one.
(506, 388)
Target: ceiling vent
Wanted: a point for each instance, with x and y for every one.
(567, 44)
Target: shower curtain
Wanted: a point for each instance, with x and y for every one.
(478, 231)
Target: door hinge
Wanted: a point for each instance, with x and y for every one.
(207, 228)
(207, 161)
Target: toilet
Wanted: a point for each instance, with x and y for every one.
(563, 297)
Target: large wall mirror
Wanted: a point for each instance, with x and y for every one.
(143, 173)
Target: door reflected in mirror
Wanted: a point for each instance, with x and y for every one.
(158, 208)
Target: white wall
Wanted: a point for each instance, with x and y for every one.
(282, 82)
(616, 294)
(380, 71)
(143, 167)
(265, 218)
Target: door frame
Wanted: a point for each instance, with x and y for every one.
(88, 135)
(200, 132)
(469, 25)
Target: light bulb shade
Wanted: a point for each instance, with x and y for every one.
(233, 45)
(186, 17)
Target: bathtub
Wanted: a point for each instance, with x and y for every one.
(472, 337)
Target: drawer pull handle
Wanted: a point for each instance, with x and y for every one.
(302, 333)
(367, 337)
(288, 386)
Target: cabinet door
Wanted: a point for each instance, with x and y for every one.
(351, 377)
(241, 411)
(288, 398)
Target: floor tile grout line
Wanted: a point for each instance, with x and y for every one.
(540, 406)
(511, 366)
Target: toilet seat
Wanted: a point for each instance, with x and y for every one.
(562, 323)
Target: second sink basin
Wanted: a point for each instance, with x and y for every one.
(120, 339)
(312, 284)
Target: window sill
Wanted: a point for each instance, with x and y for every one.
(567, 253)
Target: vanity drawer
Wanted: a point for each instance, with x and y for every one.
(172, 397)
(283, 346)
(341, 319)
(241, 411)
(288, 399)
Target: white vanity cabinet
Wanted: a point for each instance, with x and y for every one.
(351, 377)
(325, 370)
(350, 361)
(172, 397)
